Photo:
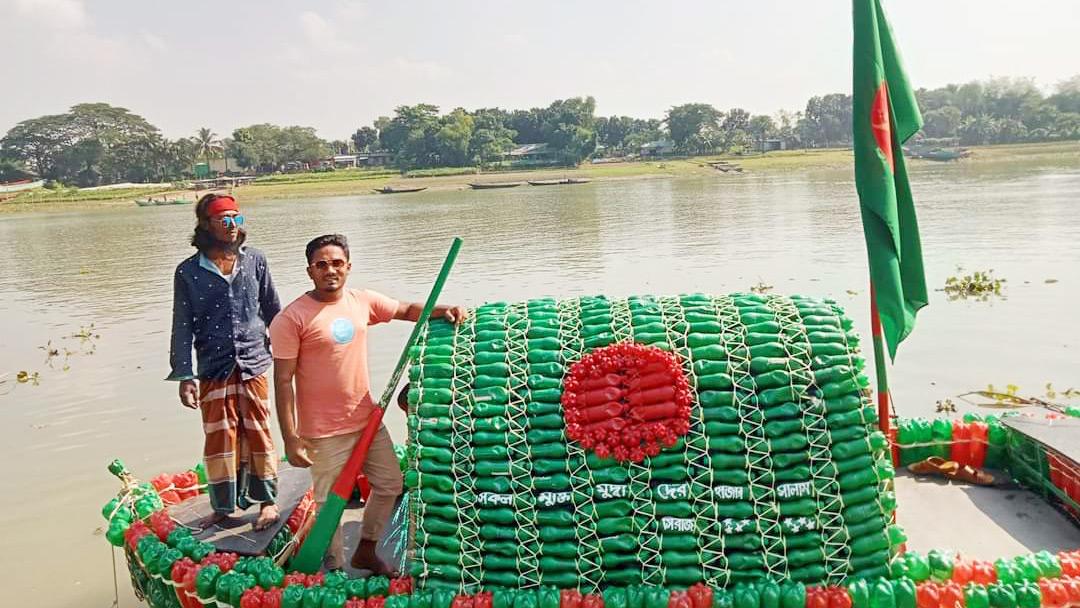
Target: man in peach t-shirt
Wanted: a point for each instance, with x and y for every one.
(320, 342)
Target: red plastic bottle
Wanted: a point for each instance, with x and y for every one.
(980, 438)
(838, 597)
(983, 573)
(963, 570)
(252, 598)
(1070, 563)
(679, 599)
(960, 450)
(701, 596)
(1072, 589)
(927, 595)
(569, 598)
(1054, 594)
(816, 598)
(952, 596)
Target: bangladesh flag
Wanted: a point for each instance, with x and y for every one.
(885, 116)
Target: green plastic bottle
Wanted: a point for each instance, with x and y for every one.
(860, 594)
(1048, 563)
(976, 596)
(1028, 568)
(744, 596)
(904, 591)
(941, 562)
(291, 597)
(1006, 571)
(1001, 595)
(1028, 595)
(882, 595)
(918, 566)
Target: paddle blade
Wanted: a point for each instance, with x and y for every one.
(310, 556)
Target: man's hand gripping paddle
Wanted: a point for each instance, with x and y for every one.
(309, 558)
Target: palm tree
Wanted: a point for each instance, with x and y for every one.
(209, 145)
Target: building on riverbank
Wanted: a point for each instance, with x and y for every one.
(658, 148)
(531, 155)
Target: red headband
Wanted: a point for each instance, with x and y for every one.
(221, 205)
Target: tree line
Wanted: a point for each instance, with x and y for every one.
(95, 143)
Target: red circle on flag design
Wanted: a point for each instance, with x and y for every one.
(626, 401)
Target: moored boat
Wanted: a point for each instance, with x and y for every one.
(400, 189)
(559, 182)
(152, 202)
(938, 154)
(493, 185)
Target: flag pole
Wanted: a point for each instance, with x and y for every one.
(879, 364)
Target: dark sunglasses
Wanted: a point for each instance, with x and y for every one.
(232, 220)
(326, 265)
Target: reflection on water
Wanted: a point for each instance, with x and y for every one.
(799, 232)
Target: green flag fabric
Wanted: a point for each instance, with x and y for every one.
(885, 115)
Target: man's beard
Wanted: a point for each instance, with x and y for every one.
(232, 246)
(204, 241)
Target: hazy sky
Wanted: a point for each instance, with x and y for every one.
(338, 64)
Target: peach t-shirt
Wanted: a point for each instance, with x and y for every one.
(329, 342)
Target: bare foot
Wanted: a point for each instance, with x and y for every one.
(268, 515)
(214, 519)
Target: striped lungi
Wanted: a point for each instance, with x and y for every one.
(241, 466)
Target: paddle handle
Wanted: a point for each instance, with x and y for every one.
(429, 305)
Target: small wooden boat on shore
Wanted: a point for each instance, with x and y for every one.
(494, 185)
(936, 154)
(559, 182)
(399, 189)
(944, 155)
(151, 202)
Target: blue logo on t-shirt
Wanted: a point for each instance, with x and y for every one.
(342, 330)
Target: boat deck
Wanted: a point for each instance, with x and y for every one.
(980, 522)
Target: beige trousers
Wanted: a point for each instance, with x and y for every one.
(329, 455)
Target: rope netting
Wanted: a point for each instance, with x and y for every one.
(589, 564)
(644, 440)
(707, 525)
(521, 471)
(471, 555)
(796, 343)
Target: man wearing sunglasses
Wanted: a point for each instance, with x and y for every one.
(320, 342)
(223, 302)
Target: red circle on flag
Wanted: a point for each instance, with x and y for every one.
(626, 401)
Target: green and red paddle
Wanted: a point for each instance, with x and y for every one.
(309, 558)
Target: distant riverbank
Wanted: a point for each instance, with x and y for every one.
(346, 182)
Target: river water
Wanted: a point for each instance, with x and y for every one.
(800, 232)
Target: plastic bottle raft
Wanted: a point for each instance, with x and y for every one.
(683, 452)
(169, 569)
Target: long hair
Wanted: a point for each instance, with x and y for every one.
(203, 239)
